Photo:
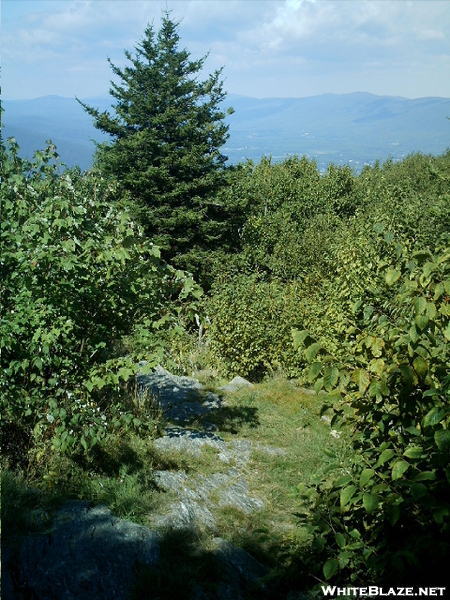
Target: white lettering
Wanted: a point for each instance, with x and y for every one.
(328, 590)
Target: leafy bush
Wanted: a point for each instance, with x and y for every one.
(250, 326)
(77, 276)
(388, 515)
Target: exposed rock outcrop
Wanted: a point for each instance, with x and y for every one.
(88, 553)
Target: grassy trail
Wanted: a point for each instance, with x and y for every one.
(284, 442)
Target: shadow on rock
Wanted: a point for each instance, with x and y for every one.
(194, 568)
(88, 554)
(184, 401)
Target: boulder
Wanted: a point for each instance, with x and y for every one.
(181, 398)
(88, 554)
(237, 383)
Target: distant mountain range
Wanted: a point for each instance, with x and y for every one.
(353, 129)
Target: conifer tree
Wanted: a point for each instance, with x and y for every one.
(166, 136)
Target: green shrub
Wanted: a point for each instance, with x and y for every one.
(250, 326)
(387, 517)
(77, 276)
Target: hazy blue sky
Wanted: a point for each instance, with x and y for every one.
(268, 47)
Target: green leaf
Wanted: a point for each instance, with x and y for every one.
(414, 334)
(439, 513)
(408, 374)
(413, 431)
(318, 385)
(375, 389)
(418, 490)
(421, 255)
(370, 502)
(420, 305)
(413, 452)
(438, 291)
(356, 306)
(446, 332)
(312, 351)
(318, 544)
(377, 365)
(392, 275)
(340, 540)
(125, 373)
(399, 468)
(442, 439)
(299, 337)
(314, 370)
(393, 513)
(420, 366)
(362, 379)
(330, 568)
(366, 476)
(431, 310)
(329, 453)
(422, 321)
(425, 476)
(384, 457)
(377, 346)
(330, 377)
(433, 417)
(342, 481)
(428, 268)
(347, 494)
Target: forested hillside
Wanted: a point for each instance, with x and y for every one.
(344, 129)
(161, 254)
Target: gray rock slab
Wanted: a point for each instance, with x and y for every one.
(217, 490)
(237, 383)
(239, 451)
(236, 495)
(184, 412)
(181, 398)
(89, 554)
(7, 582)
(184, 515)
(271, 450)
(180, 439)
(309, 392)
(186, 440)
(243, 571)
(168, 388)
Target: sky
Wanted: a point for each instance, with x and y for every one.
(282, 48)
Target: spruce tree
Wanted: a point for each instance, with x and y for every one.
(166, 136)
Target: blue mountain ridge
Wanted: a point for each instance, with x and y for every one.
(355, 129)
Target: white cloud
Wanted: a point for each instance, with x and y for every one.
(291, 47)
